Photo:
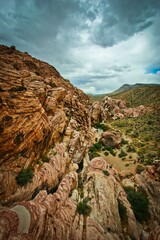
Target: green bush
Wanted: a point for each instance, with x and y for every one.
(127, 164)
(139, 203)
(122, 211)
(94, 149)
(110, 149)
(135, 134)
(25, 176)
(122, 154)
(83, 207)
(131, 148)
(139, 169)
(106, 153)
(101, 126)
(148, 162)
(44, 158)
(113, 153)
(124, 141)
(106, 172)
(93, 155)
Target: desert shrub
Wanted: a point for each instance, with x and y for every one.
(44, 158)
(94, 149)
(122, 211)
(93, 155)
(141, 151)
(109, 148)
(139, 204)
(135, 134)
(106, 172)
(124, 141)
(122, 154)
(139, 169)
(101, 126)
(113, 153)
(106, 153)
(25, 176)
(128, 131)
(131, 148)
(148, 162)
(127, 164)
(83, 208)
(120, 124)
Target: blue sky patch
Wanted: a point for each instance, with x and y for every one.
(153, 70)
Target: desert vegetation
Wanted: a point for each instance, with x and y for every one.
(144, 132)
(25, 176)
(139, 203)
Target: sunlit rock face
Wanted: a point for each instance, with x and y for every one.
(111, 108)
(38, 109)
(111, 138)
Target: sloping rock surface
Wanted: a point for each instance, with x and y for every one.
(111, 108)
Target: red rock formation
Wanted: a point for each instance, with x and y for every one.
(111, 138)
(115, 108)
(37, 106)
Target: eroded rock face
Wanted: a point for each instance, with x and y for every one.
(54, 216)
(38, 107)
(111, 138)
(111, 108)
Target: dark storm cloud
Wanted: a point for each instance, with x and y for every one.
(50, 25)
(76, 36)
(122, 19)
(59, 22)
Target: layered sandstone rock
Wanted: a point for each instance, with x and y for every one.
(54, 216)
(37, 108)
(115, 108)
(111, 138)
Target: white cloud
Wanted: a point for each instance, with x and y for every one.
(97, 46)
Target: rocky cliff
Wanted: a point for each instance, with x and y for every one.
(111, 108)
(39, 109)
(49, 188)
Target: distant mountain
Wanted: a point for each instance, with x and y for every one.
(135, 95)
(127, 87)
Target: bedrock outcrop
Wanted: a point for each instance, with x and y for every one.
(38, 110)
(111, 108)
(56, 216)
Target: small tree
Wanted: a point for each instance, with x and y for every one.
(25, 176)
(139, 203)
(83, 207)
(139, 169)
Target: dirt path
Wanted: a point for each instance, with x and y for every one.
(122, 166)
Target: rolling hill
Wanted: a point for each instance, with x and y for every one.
(135, 95)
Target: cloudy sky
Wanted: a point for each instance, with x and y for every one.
(98, 45)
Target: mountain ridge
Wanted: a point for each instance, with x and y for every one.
(127, 87)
